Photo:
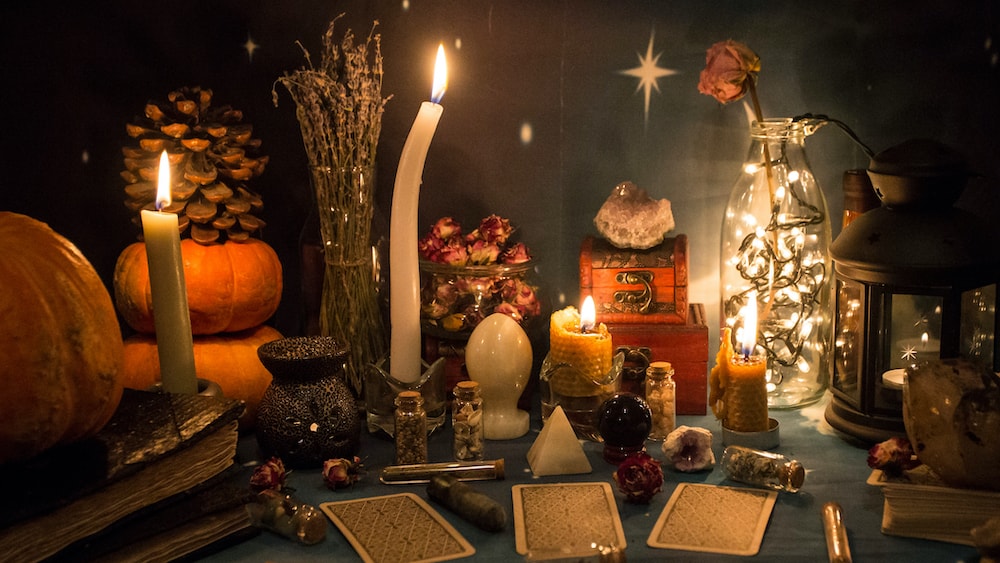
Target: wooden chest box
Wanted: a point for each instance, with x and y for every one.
(685, 346)
(636, 286)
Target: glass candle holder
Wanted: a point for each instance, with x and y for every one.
(381, 390)
(580, 401)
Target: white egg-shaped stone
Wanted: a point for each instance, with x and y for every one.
(498, 356)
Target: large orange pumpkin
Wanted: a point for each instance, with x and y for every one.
(231, 286)
(227, 359)
(60, 342)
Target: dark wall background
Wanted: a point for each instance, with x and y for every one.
(74, 74)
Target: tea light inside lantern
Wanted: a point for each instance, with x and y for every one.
(894, 378)
(923, 345)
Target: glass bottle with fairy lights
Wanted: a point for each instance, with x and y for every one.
(775, 243)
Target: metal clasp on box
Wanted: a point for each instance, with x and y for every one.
(637, 359)
(638, 298)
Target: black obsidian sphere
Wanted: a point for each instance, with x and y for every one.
(624, 422)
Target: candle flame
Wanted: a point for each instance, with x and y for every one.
(747, 335)
(163, 185)
(588, 315)
(440, 76)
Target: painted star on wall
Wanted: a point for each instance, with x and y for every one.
(250, 47)
(648, 72)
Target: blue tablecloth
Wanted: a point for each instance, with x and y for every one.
(836, 471)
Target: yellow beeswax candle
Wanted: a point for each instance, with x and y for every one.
(738, 388)
(589, 354)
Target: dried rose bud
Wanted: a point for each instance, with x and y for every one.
(517, 253)
(494, 229)
(340, 473)
(454, 253)
(639, 477)
(525, 299)
(510, 310)
(430, 246)
(269, 475)
(893, 456)
(446, 228)
(689, 449)
(483, 252)
(729, 67)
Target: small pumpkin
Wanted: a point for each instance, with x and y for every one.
(227, 359)
(61, 349)
(231, 286)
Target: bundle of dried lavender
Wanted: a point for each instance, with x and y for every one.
(339, 108)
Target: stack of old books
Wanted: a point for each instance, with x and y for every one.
(158, 483)
(920, 505)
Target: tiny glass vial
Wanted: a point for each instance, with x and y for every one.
(661, 394)
(763, 469)
(467, 421)
(411, 428)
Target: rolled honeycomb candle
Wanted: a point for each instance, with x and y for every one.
(589, 353)
(738, 390)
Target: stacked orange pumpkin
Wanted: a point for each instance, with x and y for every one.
(234, 281)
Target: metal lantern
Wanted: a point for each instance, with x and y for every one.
(916, 279)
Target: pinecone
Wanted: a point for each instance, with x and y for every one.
(211, 158)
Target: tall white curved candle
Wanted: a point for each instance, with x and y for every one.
(171, 317)
(404, 280)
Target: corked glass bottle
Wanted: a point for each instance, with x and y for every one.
(661, 398)
(467, 421)
(411, 428)
(763, 469)
(775, 245)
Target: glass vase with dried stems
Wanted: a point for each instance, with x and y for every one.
(339, 108)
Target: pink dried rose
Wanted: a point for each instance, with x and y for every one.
(454, 253)
(510, 310)
(689, 449)
(488, 244)
(429, 247)
(639, 477)
(339, 473)
(493, 229)
(522, 296)
(730, 66)
(446, 228)
(893, 456)
(516, 253)
(483, 252)
(269, 475)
